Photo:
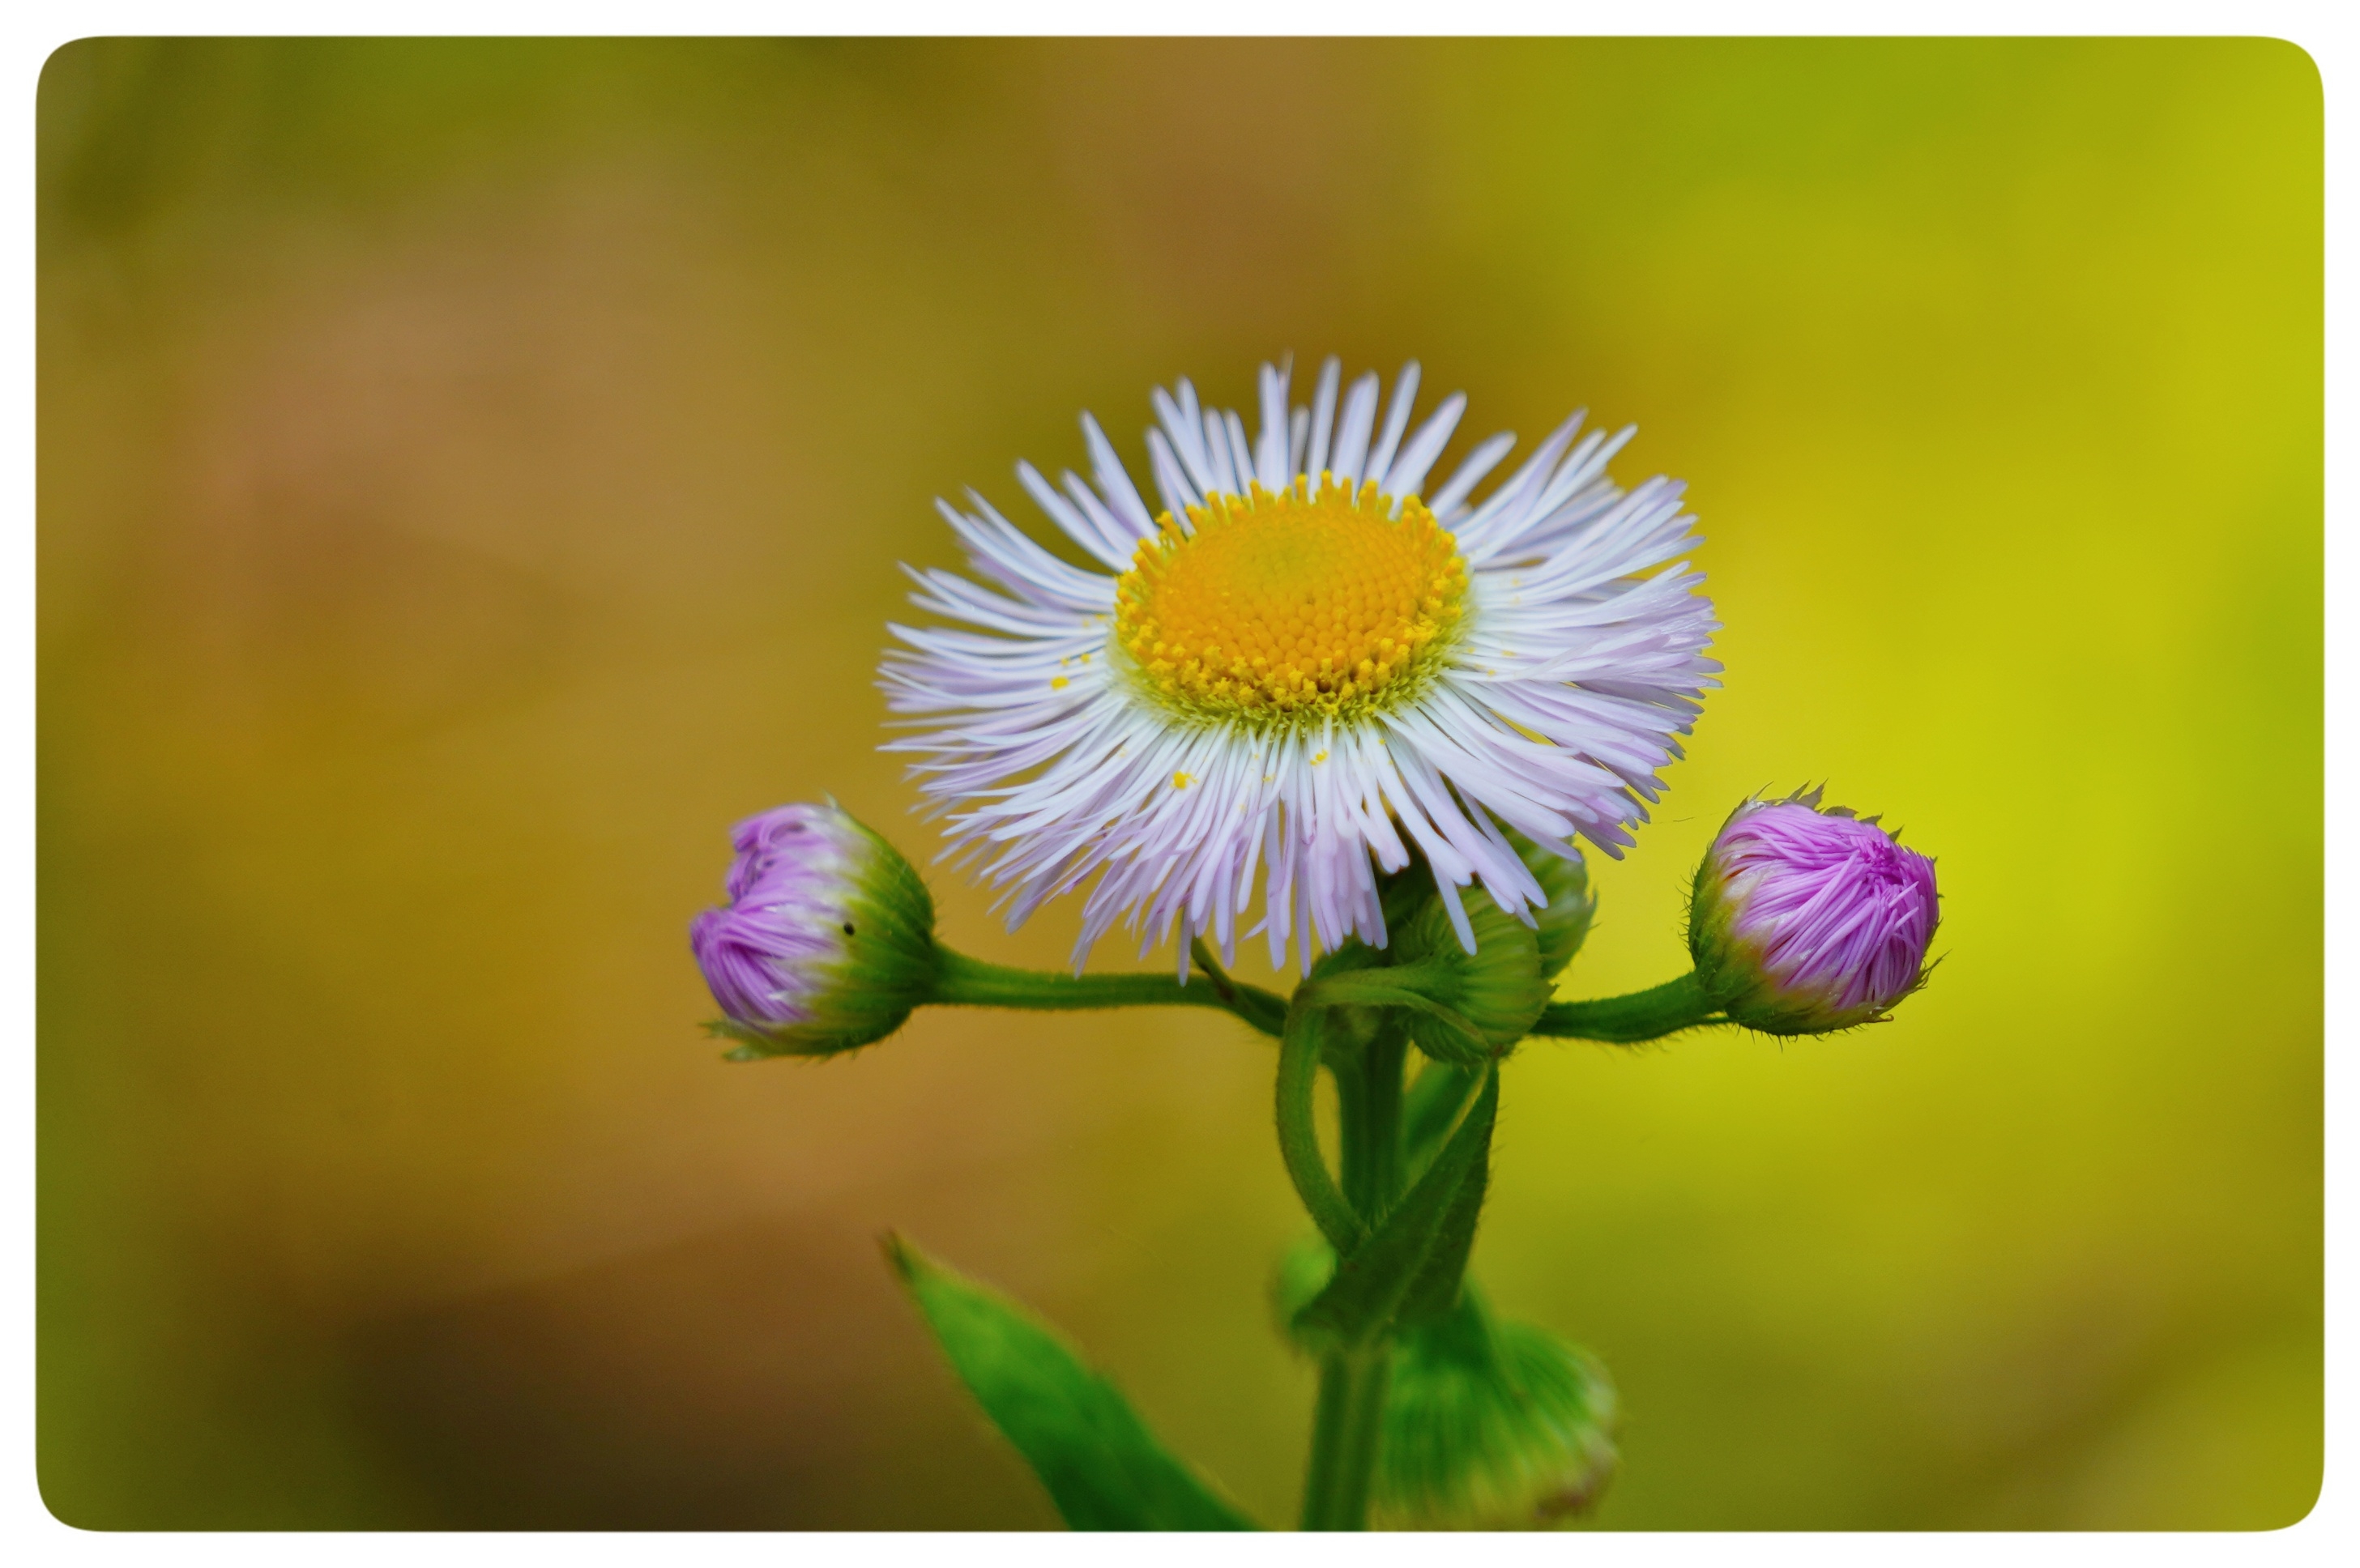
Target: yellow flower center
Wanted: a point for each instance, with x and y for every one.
(1293, 605)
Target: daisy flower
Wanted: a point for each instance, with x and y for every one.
(1298, 665)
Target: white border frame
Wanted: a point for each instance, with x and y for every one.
(32, 34)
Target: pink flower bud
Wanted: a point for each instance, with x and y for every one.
(1807, 920)
(828, 941)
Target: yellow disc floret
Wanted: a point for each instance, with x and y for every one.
(1284, 607)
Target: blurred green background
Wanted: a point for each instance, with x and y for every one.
(472, 476)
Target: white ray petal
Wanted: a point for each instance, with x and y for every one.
(1469, 473)
(1381, 458)
(1352, 430)
(1323, 417)
(1409, 469)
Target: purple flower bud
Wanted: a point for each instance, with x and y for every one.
(828, 941)
(1807, 920)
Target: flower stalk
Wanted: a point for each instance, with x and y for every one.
(1344, 1433)
(1641, 1016)
(1298, 1136)
(1368, 1114)
(964, 982)
(1348, 1424)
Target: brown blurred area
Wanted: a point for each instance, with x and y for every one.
(473, 475)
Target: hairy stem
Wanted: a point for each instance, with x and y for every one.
(1259, 1007)
(1667, 1008)
(1329, 1417)
(1344, 1438)
(961, 981)
(1298, 1138)
(1349, 1424)
(1369, 1095)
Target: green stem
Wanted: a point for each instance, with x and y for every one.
(1349, 1428)
(1369, 1095)
(1667, 1008)
(1345, 1438)
(965, 982)
(1364, 1437)
(1329, 1418)
(1259, 1007)
(1298, 1138)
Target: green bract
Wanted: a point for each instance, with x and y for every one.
(1489, 1424)
(1492, 1424)
(1498, 988)
(890, 959)
(1566, 922)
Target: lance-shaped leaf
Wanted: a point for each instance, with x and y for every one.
(1101, 1466)
(1435, 1099)
(1409, 1268)
(1435, 1288)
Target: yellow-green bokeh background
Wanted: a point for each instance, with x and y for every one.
(473, 475)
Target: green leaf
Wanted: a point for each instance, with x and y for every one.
(1103, 1468)
(1435, 1288)
(1409, 1268)
(1435, 1099)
